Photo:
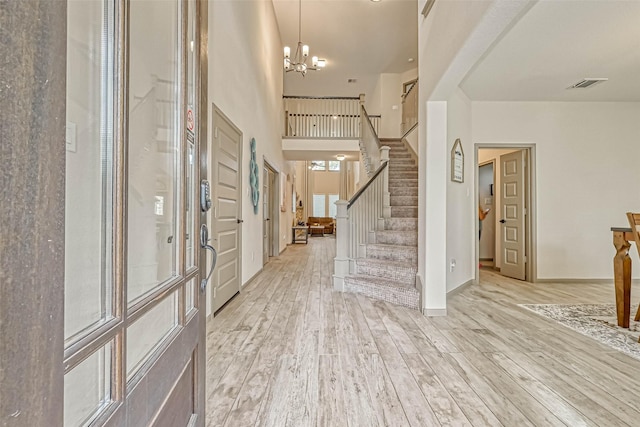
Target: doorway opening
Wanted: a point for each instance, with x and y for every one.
(270, 212)
(505, 177)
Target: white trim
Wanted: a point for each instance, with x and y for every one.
(435, 312)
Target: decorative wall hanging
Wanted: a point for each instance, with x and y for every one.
(253, 177)
(457, 162)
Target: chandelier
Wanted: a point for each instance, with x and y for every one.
(299, 61)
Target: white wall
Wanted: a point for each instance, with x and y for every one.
(386, 100)
(587, 176)
(245, 82)
(461, 209)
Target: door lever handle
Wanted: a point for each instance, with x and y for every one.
(502, 221)
(204, 239)
(240, 221)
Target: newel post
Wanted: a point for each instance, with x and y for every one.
(386, 196)
(341, 261)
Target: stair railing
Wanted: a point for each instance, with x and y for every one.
(358, 218)
(369, 143)
(410, 107)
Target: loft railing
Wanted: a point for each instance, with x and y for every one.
(324, 117)
(410, 107)
(358, 218)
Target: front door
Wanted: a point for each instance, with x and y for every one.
(512, 213)
(227, 222)
(134, 318)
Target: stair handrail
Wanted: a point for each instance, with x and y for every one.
(369, 143)
(410, 140)
(364, 188)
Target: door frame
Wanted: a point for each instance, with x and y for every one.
(274, 214)
(493, 208)
(530, 200)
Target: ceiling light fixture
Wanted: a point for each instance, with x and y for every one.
(299, 61)
(340, 157)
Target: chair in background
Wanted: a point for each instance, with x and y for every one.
(634, 223)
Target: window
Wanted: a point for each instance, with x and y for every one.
(334, 165)
(319, 204)
(325, 205)
(318, 165)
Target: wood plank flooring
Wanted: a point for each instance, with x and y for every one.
(289, 351)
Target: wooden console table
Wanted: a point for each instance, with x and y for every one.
(622, 273)
(299, 233)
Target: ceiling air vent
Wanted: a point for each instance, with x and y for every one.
(352, 80)
(588, 82)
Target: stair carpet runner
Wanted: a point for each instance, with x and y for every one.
(388, 272)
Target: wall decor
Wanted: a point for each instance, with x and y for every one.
(254, 177)
(457, 162)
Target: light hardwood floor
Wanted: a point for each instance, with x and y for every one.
(289, 351)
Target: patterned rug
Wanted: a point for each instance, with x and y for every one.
(597, 321)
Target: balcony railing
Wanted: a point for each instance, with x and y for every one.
(324, 117)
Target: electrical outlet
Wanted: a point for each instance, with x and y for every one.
(452, 264)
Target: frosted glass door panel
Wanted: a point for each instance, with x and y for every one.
(89, 140)
(149, 331)
(153, 145)
(87, 388)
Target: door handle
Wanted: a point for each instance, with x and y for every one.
(204, 244)
(240, 221)
(502, 221)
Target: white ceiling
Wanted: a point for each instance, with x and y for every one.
(558, 43)
(359, 39)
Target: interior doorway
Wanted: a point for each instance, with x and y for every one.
(504, 186)
(270, 213)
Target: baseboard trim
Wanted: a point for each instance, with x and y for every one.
(252, 278)
(460, 288)
(434, 312)
(596, 281)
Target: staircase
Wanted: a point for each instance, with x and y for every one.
(388, 271)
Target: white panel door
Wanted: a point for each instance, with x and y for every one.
(513, 218)
(227, 145)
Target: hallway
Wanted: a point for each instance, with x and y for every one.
(290, 351)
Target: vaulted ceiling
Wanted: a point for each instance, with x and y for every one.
(554, 45)
(360, 39)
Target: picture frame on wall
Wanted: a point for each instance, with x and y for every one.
(457, 162)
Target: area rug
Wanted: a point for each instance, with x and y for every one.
(597, 321)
